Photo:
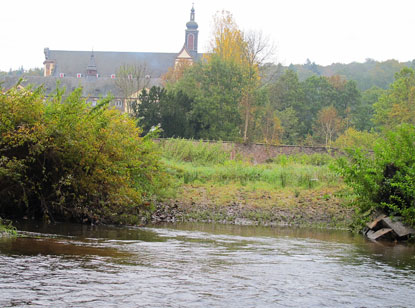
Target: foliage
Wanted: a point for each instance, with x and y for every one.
(353, 138)
(227, 40)
(7, 227)
(22, 72)
(273, 176)
(61, 159)
(328, 124)
(397, 105)
(200, 153)
(304, 159)
(362, 118)
(368, 74)
(214, 87)
(384, 180)
(131, 79)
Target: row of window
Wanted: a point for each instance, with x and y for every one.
(79, 75)
(118, 103)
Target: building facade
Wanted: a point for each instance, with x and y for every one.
(120, 74)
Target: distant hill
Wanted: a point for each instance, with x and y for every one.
(368, 74)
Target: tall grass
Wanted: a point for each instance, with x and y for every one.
(199, 162)
(278, 176)
(197, 152)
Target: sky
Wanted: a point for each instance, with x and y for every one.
(324, 31)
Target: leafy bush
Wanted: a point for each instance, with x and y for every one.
(384, 180)
(62, 159)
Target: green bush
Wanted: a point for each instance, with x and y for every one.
(385, 179)
(62, 159)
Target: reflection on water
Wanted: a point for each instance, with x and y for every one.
(202, 265)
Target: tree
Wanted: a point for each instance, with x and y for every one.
(286, 92)
(130, 80)
(176, 72)
(397, 105)
(270, 126)
(214, 87)
(148, 109)
(353, 138)
(249, 51)
(328, 124)
(290, 125)
(362, 117)
(227, 40)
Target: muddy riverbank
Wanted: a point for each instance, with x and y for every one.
(324, 207)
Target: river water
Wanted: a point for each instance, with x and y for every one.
(197, 265)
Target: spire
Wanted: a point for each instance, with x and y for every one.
(192, 12)
(91, 70)
(191, 38)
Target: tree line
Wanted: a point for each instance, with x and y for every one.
(232, 95)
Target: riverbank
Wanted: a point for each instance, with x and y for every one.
(322, 207)
(214, 186)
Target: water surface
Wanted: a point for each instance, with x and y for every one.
(200, 265)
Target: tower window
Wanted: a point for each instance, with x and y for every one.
(190, 42)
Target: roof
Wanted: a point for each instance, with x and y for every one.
(91, 87)
(108, 62)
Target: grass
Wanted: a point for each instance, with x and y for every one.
(271, 175)
(199, 162)
(299, 189)
(7, 228)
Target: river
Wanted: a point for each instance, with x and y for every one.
(201, 265)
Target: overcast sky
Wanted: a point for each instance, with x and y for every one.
(325, 31)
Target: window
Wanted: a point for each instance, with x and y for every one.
(190, 42)
(112, 76)
(61, 75)
(79, 75)
(118, 103)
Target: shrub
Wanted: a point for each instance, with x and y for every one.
(62, 159)
(384, 180)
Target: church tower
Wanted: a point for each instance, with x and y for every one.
(191, 34)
